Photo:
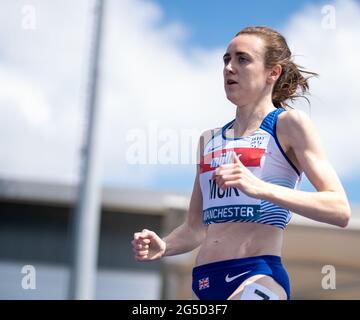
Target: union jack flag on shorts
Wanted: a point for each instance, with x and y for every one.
(204, 283)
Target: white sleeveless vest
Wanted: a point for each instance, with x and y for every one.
(262, 154)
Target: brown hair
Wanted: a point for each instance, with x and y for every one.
(292, 82)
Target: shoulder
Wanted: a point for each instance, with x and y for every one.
(294, 128)
(209, 133)
(292, 117)
(293, 123)
(205, 137)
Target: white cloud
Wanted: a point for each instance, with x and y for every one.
(334, 54)
(146, 77)
(149, 79)
(16, 92)
(40, 78)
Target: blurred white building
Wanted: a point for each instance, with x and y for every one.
(34, 230)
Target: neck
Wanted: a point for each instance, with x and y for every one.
(249, 117)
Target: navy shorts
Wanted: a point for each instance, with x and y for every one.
(218, 280)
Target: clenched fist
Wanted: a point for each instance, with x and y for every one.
(148, 246)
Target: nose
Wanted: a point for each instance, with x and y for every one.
(229, 68)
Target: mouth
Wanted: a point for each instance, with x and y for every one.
(230, 82)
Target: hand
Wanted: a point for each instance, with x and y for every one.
(237, 175)
(148, 246)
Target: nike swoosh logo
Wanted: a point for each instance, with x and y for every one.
(212, 149)
(229, 279)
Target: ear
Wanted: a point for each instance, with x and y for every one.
(275, 73)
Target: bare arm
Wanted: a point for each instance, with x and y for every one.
(147, 245)
(329, 204)
(191, 233)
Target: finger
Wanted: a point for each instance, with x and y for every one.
(137, 235)
(143, 236)
(226, 172)
(231, 183)
(147, 234)
(225, 167)
(137, 247)
(142, 252)
(141, 258)
(218, 172)
(229, 177)
(141, 246)
(222, 185)
(213, 176)
(142, 242)
(235, 158)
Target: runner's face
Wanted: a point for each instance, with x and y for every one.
(244, 71)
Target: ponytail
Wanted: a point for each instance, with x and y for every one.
(293, 80)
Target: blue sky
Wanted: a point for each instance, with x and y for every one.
(212, 23)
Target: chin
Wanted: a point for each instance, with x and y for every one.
(235, 100)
